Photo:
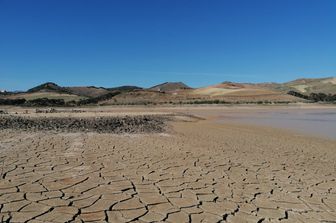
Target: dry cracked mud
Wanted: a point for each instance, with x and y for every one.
(199, 172)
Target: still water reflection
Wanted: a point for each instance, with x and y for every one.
(319, 122)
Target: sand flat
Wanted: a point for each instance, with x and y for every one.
(199, 171)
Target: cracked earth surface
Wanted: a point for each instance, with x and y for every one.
(200, 172)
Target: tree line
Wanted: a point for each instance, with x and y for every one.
(315, 97)
(46, 102)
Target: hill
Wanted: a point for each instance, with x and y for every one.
(242, 92)
(125, 88)
(85, 91)
(170, 87)
(48, 87)
(50, 95)
(300, 90)
(304, 86)
(308, 86)
(89, 91)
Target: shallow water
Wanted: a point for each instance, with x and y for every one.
(318, 122)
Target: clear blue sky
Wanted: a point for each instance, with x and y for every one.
(109, 43)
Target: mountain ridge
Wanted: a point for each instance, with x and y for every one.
(169, 86)
(303, 89)
(166, 86)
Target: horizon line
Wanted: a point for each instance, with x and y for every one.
(122, 85)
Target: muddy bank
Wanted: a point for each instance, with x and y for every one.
(116, 125)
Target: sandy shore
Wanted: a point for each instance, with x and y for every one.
(198, 171)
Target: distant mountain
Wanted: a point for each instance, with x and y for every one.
(300, 90)
(125, 88)
(84, 91)
(242, 92)
(48, 87)
(87, 91)
(169, 87)
(303, 85)
(311, 85)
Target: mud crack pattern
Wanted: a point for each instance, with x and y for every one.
(217, 175)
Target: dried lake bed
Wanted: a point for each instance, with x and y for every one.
(200, 169)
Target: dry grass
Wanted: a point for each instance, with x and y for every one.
(49, 95)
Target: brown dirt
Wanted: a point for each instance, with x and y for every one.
(199, 172)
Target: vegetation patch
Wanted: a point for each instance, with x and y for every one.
(315, 97)
(115, 125)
